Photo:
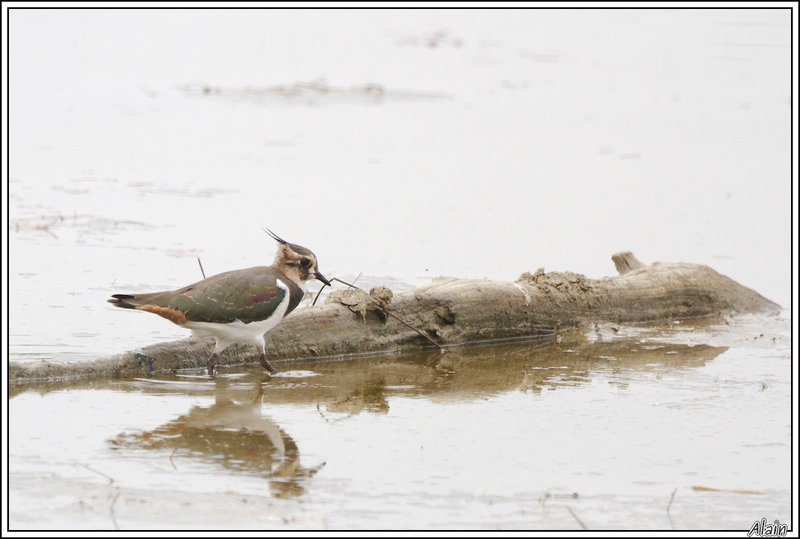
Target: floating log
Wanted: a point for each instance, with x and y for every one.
(452, 312)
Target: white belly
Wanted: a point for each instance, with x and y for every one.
(239, 332)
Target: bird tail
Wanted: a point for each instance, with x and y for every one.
(121, 300)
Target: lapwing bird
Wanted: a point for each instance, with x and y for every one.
(236, 306)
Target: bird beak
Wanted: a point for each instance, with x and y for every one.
(322, 278)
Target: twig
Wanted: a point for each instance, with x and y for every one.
(434, 358)
(327, 419)
(110, 482)
(110, 479)
(571, 512)
(170, 459)
(436, 344)
(321, 414)
(111, 509)
(318, 293)
(201, 267)
(323, 288)
(671, 497)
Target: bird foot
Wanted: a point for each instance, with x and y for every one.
(211, 363)
(141, 357)
(266, 364)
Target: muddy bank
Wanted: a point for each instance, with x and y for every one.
(452, 312)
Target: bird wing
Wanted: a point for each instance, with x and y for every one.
(248, 295)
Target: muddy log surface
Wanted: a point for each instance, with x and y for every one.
(450, 311)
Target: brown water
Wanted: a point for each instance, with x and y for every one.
(400, 146)
(550, 435)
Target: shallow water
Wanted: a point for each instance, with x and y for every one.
(533, 435)
(400, 146)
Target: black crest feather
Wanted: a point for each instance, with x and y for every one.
(275, 236)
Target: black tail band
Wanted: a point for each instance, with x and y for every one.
(119, 301)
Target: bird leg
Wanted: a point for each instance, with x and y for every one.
(141, 357)
(266, 363)
(211, 362)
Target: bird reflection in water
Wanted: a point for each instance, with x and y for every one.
(233, 434)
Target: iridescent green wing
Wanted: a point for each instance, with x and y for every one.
(248, 295)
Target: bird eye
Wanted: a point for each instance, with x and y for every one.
(305, 262)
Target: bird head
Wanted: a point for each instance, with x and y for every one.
(295, 261)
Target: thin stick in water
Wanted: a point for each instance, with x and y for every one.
(672, 497)
(571, 512)
(201, 267)
(110, 479)
(111, 509)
